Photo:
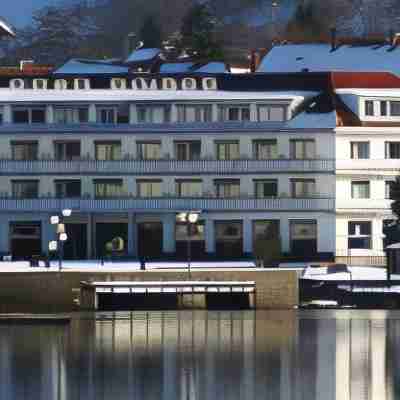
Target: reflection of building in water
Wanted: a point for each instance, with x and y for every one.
(361, 359)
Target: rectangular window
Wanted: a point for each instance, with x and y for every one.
(108, 188)
(271, 113)
(109, 151)
(266, 188)
(149, 188)
(394, 108)
(24, 151)
(302, 149)
(106, 115)
(227, 188)
(188, 188)
(22, 115)
(68, 189)
(234, 113)
(25, 189)
(360, 190)
(149, 150)
(265, 149)
(303, 237)
(188, 150)
(1, 114)
(359, 150)
(369, 108)
(153, 114)
(194, 113)
(227, 150)
(388, 189)
(303, 188)
(383, 105)
(392, 150)
(71, 115)
(359, 235)
(67, 151)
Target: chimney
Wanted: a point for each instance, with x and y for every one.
(333, 39)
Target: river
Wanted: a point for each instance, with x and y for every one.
(205, 355)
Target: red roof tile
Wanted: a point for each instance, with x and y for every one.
(365, 80)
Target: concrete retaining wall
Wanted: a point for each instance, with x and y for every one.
(55, 292)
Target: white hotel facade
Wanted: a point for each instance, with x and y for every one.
(128, 152)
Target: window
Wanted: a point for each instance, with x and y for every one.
(303, 188)
(1, 115)
(359, 235)
(187, 150)
(80, 84)
(369, 108)
(271, 113)
(106, 115)
(195, 113)
(71, 115)
(68, 189)
(229, 239)
(188, 188)
(388, 189)
(360, 190)
(265, 149)
(303, 237)
(25, 189)
(235, 113)
(24, 150)
(149, 150)
(359, 150)
(153, 114)
(67, 150)
(108, 151)
(302, 149)
(394, 108)
(266, 188)
(227, 150)
(149, 188)
(383, 105)
(392, 150)
(29, 115)
(108, 188)
(227, 188)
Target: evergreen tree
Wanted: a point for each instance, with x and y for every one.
(150, 33)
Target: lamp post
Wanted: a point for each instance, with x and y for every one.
(190, 218)
(58, 220)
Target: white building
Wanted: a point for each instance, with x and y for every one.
(127, 152)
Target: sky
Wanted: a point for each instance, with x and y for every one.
(19, 12)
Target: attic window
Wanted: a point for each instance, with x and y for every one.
(275, 113)
(369, 108)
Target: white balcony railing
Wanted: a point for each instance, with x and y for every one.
(168, 204)
(368, 164)
(143, 167)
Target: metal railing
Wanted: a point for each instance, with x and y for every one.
(164, 167)
(168, 204)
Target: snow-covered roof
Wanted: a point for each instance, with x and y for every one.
(5, 28)
(100, 95)
(142, 55)
(76, 66)
(213, 67)
(176, 67)
(319, 57)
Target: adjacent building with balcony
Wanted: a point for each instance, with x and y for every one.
(129, 151)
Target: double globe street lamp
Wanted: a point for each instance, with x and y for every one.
(190, 218)
(58, 245)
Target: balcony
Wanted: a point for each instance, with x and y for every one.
(167, 204)
(360, 205)
(367, 164)
(163, 167)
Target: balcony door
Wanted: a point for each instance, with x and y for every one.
(150, 239)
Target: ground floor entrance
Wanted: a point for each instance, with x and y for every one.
(150, 239)
(25, 239)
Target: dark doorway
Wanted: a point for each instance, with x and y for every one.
(106, 234)
(128, 301)
(150, 239)
(229, 239)
(197, 241)
(227, 301)
(76, 246)
(25, 239)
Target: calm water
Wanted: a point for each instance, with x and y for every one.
(205, 355)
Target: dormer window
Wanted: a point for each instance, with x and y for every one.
(82, 84)
(17, 84)
(369, 108)
(188, 84)
(40, 84)
(118, 83)
(383, 105)
(395, 108)
(60, 84)
(271, 113)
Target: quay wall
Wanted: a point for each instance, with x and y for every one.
(51, 291)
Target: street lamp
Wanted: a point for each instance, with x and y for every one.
(190, 218)
(61, 234)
